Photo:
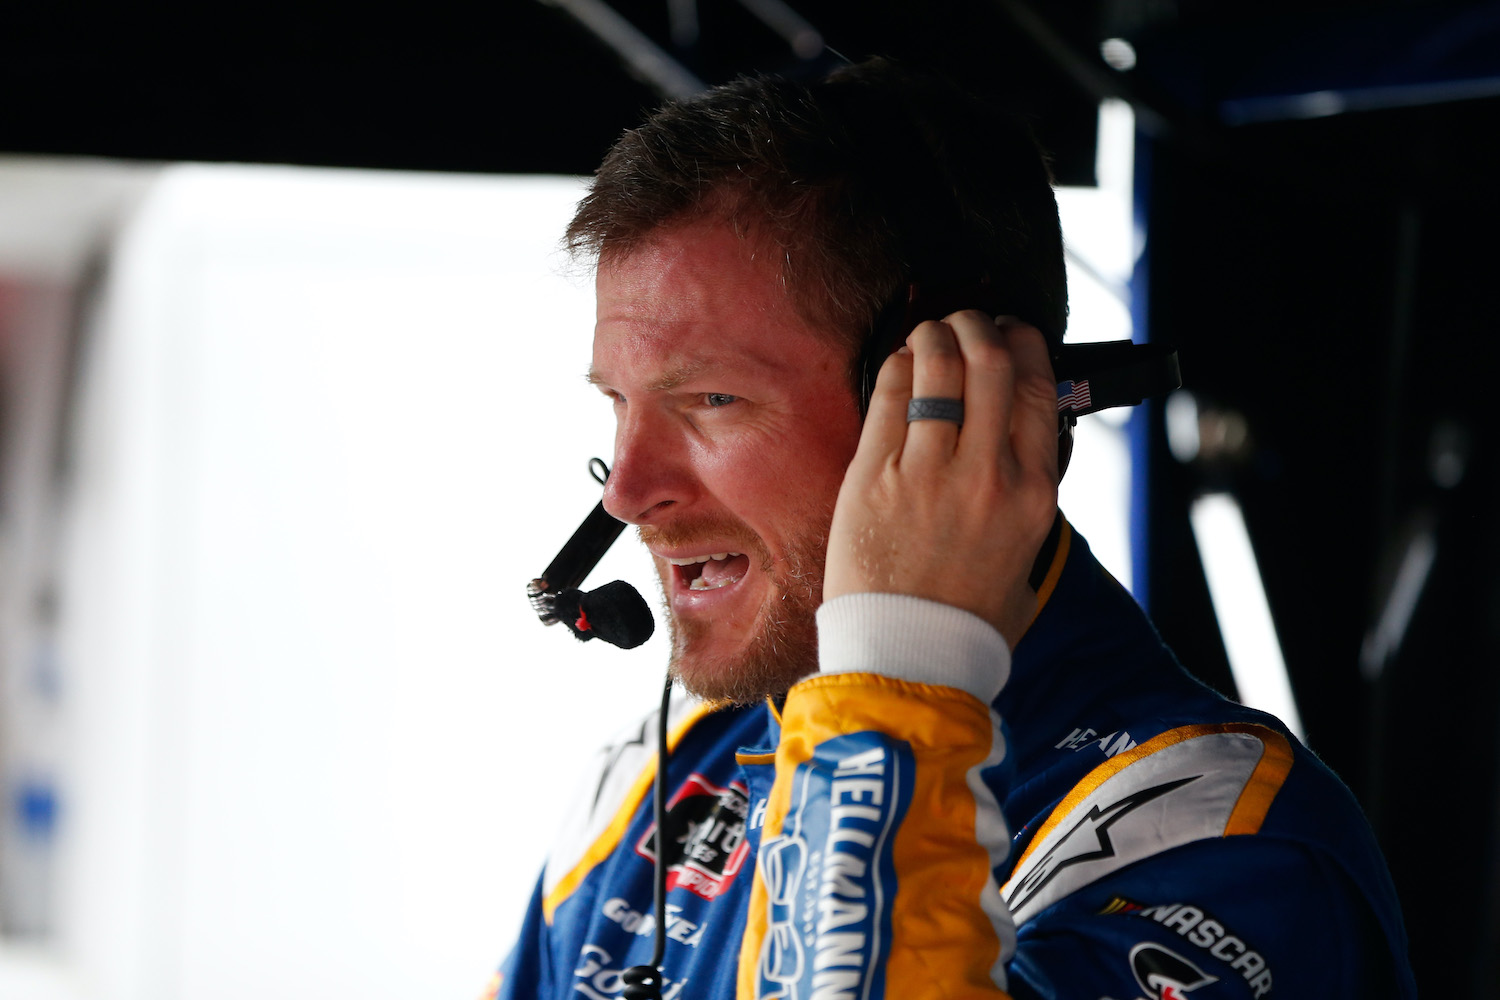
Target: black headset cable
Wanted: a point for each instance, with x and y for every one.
(644, 982)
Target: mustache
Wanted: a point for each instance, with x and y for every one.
(722, 532)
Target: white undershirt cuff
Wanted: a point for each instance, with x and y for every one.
(913, 639)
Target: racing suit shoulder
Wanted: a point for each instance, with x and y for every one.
(593, 917)
(1200, 781)
(1249, 917)
(612, 789)
(1239, 858)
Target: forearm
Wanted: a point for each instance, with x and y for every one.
(881, 837)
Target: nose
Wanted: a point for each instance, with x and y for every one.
(651, 473)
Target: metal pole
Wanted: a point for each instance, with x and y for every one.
(643, 56)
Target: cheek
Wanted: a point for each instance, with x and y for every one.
(792, 474)
(827, 452)
(782, 469)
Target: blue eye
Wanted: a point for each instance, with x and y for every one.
(719, 399)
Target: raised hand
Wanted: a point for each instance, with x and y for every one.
(946, 512)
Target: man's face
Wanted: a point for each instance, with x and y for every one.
(734, 424)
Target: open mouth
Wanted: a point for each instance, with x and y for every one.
(710, 572)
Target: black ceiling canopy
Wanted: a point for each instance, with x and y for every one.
(528, 86)
(520, 86)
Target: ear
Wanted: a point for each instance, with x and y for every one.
(1065, 423)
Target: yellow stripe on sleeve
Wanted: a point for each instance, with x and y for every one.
(937, 925)
(1270, 774)
(1054, 572)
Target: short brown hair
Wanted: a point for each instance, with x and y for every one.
(865, 181)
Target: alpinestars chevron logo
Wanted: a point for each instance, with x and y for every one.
(1087, 840)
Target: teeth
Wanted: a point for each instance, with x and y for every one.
(692, 560)
(698, 584)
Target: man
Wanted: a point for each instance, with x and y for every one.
(860, 601)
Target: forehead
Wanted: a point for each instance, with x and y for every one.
(700, 294)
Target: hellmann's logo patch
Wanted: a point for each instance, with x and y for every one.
(829, 877)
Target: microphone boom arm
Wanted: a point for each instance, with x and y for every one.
(573, 562)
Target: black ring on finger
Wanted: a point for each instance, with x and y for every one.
(936, 408)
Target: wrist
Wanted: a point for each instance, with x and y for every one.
(914, 639)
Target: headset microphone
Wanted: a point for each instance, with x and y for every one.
(615, 612)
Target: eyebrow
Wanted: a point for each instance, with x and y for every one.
(668, 380)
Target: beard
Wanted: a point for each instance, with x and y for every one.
(781, 643)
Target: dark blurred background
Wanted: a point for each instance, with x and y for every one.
(1317, 182)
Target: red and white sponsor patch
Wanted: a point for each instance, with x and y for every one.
(706, 845)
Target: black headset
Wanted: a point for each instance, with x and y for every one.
(1090, 377)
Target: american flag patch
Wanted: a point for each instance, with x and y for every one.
(1073, 395)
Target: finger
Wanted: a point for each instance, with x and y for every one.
(988, 379)
(937, 373)
(1033, 426)
(884, 432)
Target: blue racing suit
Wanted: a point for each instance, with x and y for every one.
(931, 815)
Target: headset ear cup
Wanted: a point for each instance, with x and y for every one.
(1065, 425)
